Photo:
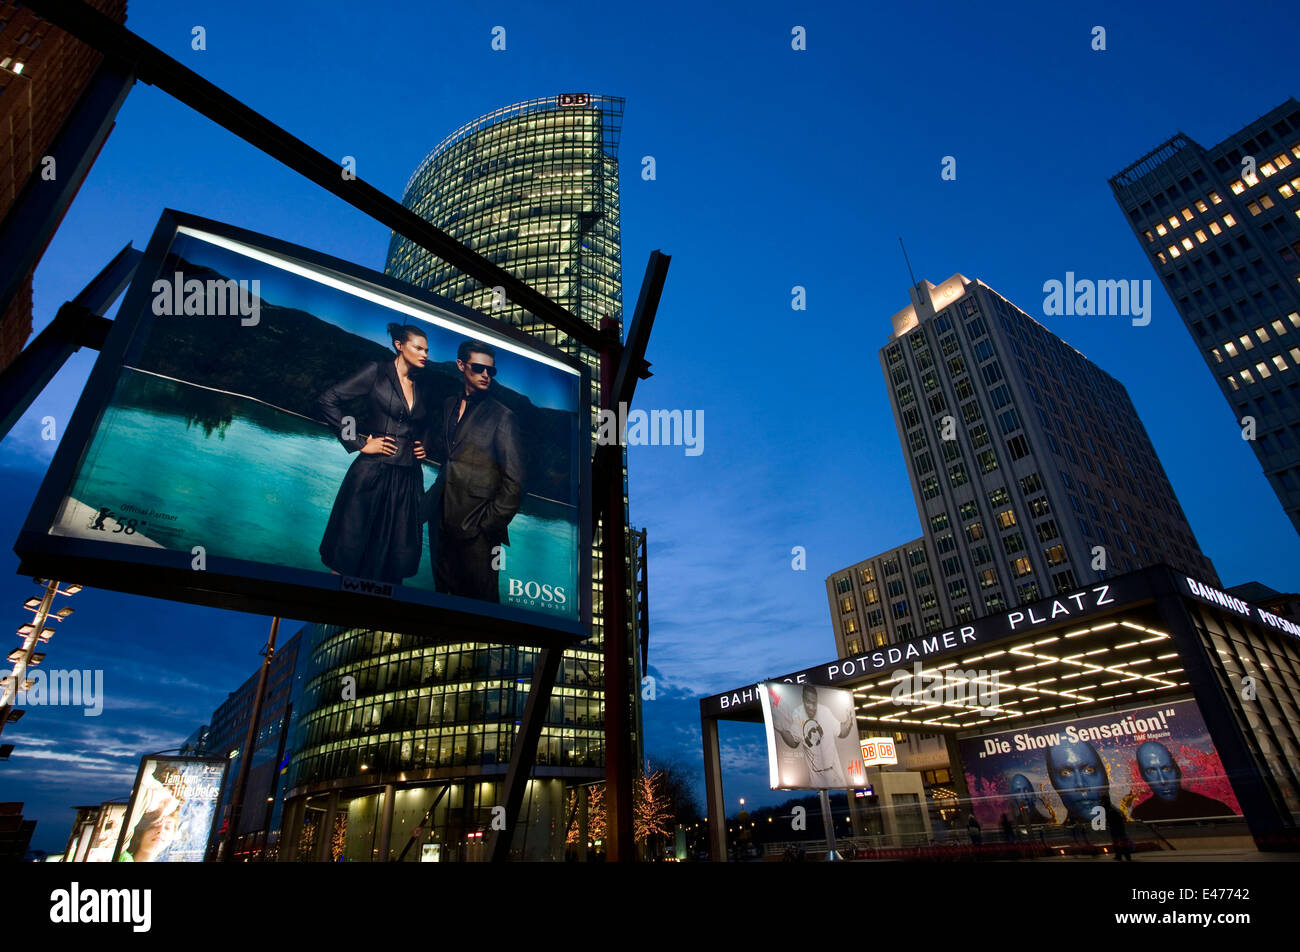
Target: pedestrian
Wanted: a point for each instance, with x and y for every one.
(973, 827)
(1119, 833)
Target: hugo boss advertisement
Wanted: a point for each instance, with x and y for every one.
(812, 737)
(272, 409)
(1151, 763)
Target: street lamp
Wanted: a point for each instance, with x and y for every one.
(32, 633)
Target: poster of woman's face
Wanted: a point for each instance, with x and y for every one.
(172, 811)
(273, 411)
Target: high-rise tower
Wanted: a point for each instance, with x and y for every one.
(1221, 226)
(533, 187)
(1031, 471)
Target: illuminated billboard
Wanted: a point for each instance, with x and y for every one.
(172, 810)
(274, 430)
(108, 827)
(812, 737)
(1153, 763)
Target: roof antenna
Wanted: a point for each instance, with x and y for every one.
(909, 263)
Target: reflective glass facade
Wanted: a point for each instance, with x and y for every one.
(534, 188)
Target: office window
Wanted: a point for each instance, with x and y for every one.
(999, 497)
(957, 474)
(988, 461)
(867, 574)
(988, 578)
(1031, 484)
(979, 435)
(1013, 543)
(1064, 581)
(975, 531)
(872, 595)
(970, 412)
(968, 510)
(846, 604)
(957, 589)
(951, 567)
(1055, 555)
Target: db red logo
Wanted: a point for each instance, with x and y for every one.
(868, 751)
(887, 748)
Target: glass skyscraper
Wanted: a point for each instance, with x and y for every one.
(533, 187)
(1221, 226)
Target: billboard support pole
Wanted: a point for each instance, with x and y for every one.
(524, 753)
(620, 368)
(828, 821)
(79, 323)
(246, 758)
(154, 67)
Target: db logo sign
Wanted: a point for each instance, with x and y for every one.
(575, 99)
(878, 750)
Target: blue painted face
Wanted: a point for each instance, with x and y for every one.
(1159, 770)
(1079, 777)
(1022, 792)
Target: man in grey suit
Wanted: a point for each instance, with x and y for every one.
(480, 482)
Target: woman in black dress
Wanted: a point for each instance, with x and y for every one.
(374, 529)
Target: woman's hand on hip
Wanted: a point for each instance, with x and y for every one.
(382, 445)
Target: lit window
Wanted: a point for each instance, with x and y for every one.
(1281, 161)
(1245, 375)
(1253, 208)
(1232, 381)
(1250, 179)
(1187, 214)
(1295, 355)
(1262, 335)
(1246, 342)
(1173, 251)
(1214, 197)
(1279, 363)
(1237, 187)
(1218, 357)
(1279, 328)
(1231, 348)
(1294, 318)
(1200, 236)
(1161, 256)
(1230, 221)
(1161, 230)
(1150, 237)
(1267, 169)
(1285, 190)
(1214, 228)
(1187, 244)
(1173, 221)
(1266, 201)
(1201, 206)
(1264, 372)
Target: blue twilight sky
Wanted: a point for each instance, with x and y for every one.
(775, 168)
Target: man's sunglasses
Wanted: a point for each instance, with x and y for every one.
(479, 368)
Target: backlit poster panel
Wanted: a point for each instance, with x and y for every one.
(812, 737)
(264, 418)
(172, 810)
(108, 827)
(1153, 763)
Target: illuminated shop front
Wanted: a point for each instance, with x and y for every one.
(1152, 692)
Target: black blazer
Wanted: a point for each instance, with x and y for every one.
(480, 483)
(385, 412)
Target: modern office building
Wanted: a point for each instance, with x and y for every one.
(1029, 466)
(1221, 227)
(43, 71)
(225, 735)
(1031, 471)
(424, 742)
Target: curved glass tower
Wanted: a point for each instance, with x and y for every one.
(396, 735)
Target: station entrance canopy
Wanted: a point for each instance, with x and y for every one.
(1137, 640)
